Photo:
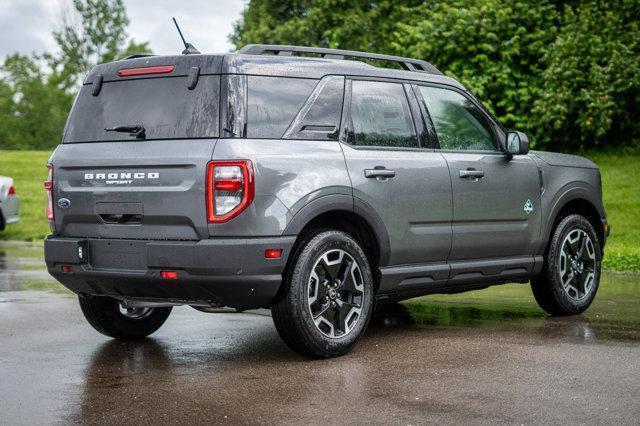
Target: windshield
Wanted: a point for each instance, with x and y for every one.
(164, 107)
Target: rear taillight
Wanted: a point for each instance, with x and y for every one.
(48, 186)
(230, 188)
(12, 191)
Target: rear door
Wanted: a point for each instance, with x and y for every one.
(496, 199)
(111, 184)
(396, 173)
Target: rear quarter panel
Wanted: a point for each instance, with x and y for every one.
(289, 174)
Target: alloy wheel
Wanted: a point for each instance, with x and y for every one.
(577, 265)
(335, 293)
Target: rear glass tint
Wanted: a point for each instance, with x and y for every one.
(381, 116)
(165, 107)
(319, 118)
(272, 104)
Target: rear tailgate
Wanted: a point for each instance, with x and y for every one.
(150, 190)
(115, 184)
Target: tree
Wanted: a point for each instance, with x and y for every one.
(35, 110)
(36, 92)
(564, 72)
(94, 32)
(590, 88)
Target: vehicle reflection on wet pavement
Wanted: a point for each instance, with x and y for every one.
(486, 356)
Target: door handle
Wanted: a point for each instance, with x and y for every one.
(473, 174)
(379, 173)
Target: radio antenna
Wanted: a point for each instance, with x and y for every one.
(189, 49)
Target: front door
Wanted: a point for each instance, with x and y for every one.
(496, 198)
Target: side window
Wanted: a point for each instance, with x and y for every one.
(380, 115)
(319, 118)
(459, 124)
(272, 104)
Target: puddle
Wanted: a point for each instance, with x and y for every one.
(615, 313)
(22, 268)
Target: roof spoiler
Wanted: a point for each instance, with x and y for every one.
(407, 64)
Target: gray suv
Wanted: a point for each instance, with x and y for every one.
(310, 182)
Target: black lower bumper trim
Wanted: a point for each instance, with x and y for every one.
(222, 271)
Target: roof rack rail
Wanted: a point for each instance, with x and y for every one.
(286, 50)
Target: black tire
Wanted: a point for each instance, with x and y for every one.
(548, 288)
(351, 299)
(103, 313)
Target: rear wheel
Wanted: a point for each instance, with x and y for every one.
(327, 300)
(112, 319)
(571, 273)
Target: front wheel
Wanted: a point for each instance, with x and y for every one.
(110, 318)
(328, 296)
(571, 273)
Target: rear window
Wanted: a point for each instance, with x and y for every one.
(165, 107)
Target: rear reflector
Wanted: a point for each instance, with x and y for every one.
(129, 72)
(12, 191)
(272, 253)
(169, 275)
(66, 269)
(48, 186)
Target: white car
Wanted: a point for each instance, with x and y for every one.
(9, 202)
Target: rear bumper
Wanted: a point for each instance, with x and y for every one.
(222, 271)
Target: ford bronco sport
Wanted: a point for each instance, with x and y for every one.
(307, 181)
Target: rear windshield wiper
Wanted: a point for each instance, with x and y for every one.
(137, 131)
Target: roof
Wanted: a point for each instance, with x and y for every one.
(308, 67)
(280, 65)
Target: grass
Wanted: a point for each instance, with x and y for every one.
(28, 170)
(620, 176)
(621, 196)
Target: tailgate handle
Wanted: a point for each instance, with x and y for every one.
(121, 218)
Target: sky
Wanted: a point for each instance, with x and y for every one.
(26, 25)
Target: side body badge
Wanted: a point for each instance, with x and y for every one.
(528, 207)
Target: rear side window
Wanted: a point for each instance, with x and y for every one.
(380, 115)
(459, 123)
(272, 104)
(319, 117)
(165, 107)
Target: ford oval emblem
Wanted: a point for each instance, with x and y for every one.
(64, 203)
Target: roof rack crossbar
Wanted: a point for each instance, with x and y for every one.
(286, 50)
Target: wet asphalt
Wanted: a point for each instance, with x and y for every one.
(483, 357)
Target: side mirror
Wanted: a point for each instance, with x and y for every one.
(517, 143)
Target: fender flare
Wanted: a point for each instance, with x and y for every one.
(570, 192)
(347, 203)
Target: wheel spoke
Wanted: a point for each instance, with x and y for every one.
(325, 312)
(342, 314)
(345, 269)
(574, 238)
(326, 270)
